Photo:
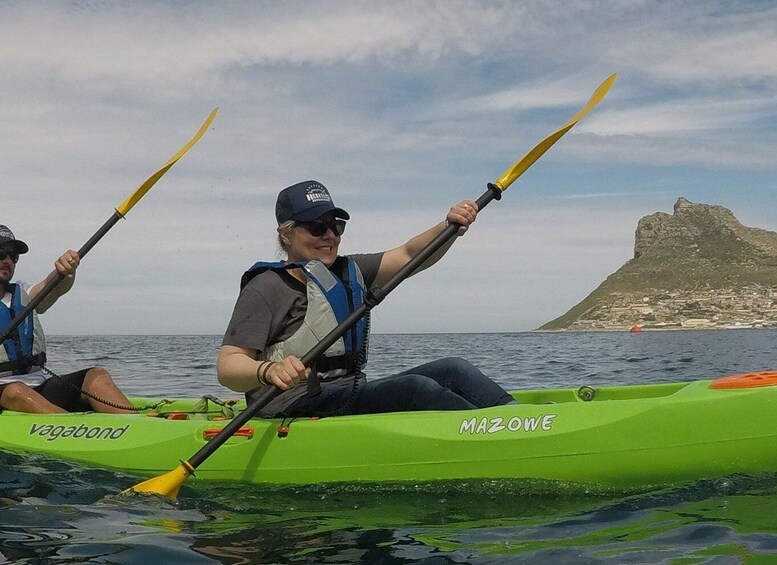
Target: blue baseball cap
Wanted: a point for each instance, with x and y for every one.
(304, 202)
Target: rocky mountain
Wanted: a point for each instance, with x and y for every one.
(697, 267)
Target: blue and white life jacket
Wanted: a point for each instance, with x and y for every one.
(331, 299)
(26, 346)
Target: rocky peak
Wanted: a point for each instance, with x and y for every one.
(681, 204)
(690, 227)
(698, 248)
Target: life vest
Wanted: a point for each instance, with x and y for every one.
(331, 299)
(26, 346)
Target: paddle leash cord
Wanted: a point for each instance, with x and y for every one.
(100, 400)
(361, 361)
(283, 428)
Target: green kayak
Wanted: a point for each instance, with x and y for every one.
(624, 437)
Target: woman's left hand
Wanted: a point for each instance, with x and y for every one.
(463, 213)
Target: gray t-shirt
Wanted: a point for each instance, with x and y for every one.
(270, 309)
(272, 306)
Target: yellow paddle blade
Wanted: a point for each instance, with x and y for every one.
(167, 485)
(520, 166)
(141, 191)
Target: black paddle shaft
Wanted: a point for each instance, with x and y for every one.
(38, 298)
(374, 297)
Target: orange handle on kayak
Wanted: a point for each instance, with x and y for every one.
(210, 433)
(746, 380)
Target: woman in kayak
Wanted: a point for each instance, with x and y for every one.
(285, 308)
(25, 385)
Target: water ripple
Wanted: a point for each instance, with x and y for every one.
(56, 512)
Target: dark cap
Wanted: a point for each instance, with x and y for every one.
(304, 202)
(8, 241)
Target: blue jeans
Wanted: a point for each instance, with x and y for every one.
(445, 384)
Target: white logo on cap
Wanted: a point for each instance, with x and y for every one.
(317, 193)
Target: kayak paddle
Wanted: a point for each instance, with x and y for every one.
(118, 214)
(170, 483)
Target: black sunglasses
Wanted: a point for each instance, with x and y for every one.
(13, 255)
(317, 228)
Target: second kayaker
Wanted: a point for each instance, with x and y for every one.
(25, 384)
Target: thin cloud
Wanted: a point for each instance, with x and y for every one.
(401, 108)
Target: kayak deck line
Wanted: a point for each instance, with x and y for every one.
(624, 437)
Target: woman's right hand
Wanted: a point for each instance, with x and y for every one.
(287, 374)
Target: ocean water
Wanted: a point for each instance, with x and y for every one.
(56, 512)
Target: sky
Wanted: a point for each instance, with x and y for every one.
(402, 109)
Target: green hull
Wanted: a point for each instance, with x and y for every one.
(628, 437)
